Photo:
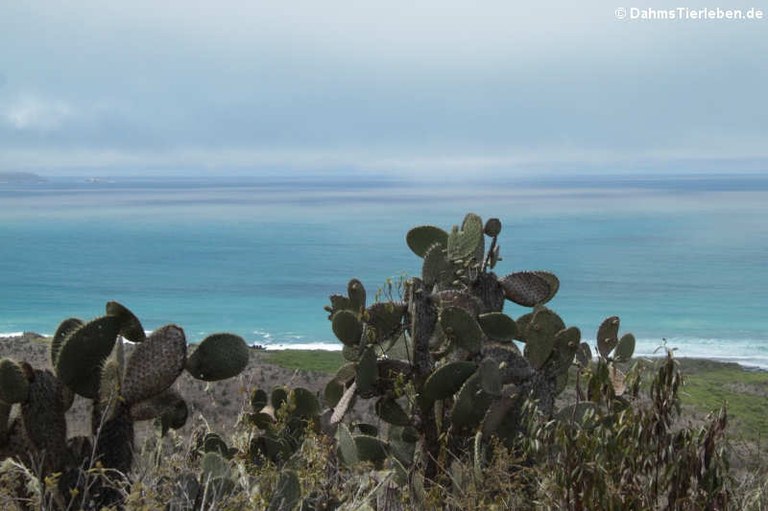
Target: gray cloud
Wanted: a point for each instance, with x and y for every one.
(490, 84)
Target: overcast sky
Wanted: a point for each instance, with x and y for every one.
(416, 86)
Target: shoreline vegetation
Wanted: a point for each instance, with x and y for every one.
(708, 384)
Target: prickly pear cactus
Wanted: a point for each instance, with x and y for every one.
(89, 359)
(443, 362)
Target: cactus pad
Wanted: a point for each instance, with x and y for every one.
(527, 288)
(391, 412)
(490, 377)
(370, 448)
(452, 298)
(492, 227)
(386, 318)
(218, 357)
(448, 379)
(421, 239)
(259, 400)
(437, 269)
(14, 387)
(347, 327)
(608, 335)
(130, 326)
(78, 364)
(540, 336)
(356, 292)
(155, 364)
(65, 328)
(498, 326)
(346, 445)
(367, 372)
(467, 242)
(43, 418)
(513, 367)
(304, 402)
(625, 348)
(459, 326)
(155, 406)
(471, 403)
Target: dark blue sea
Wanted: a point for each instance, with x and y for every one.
(682, 259)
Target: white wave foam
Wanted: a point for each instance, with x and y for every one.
(8, 335)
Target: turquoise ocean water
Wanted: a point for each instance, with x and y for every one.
(680, 258)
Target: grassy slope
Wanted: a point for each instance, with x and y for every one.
(308, 360)
(709, 384)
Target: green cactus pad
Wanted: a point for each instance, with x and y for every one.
(566, 344)
(212, 442)
(471, 403)
(351, 353)
(155, 364)
(278, 397)
(625, 349)
(5, 414)
(213, 465)
(460, 299)
(261, 420)
(490, 377)
(386, 318)
(65, 328)
(497, 415)
(608, 335)
(155, 406)
(259, 400)
(347, 327)
(498, 326)
(465, 243)
(115, 441)
(421, 239)
(175, 416)
(79, 361)
(346, 445)
(109, 385)
(514, 368)
(522, 325)
(526, 288)
(370, 449)
(287, 496)
(437, 269)
(333, 392)
(447, 380)
(459, 326)
(540, 336)
(346, 373)
(14, 387)
(339, 303)
(218, 357)
(367, 429)
(367, 372)
(130, 326)
(492, 227)
(583, 354)
(356, 292)
(42, 415)
(552, 280)
(305, 403)
(391, 412)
